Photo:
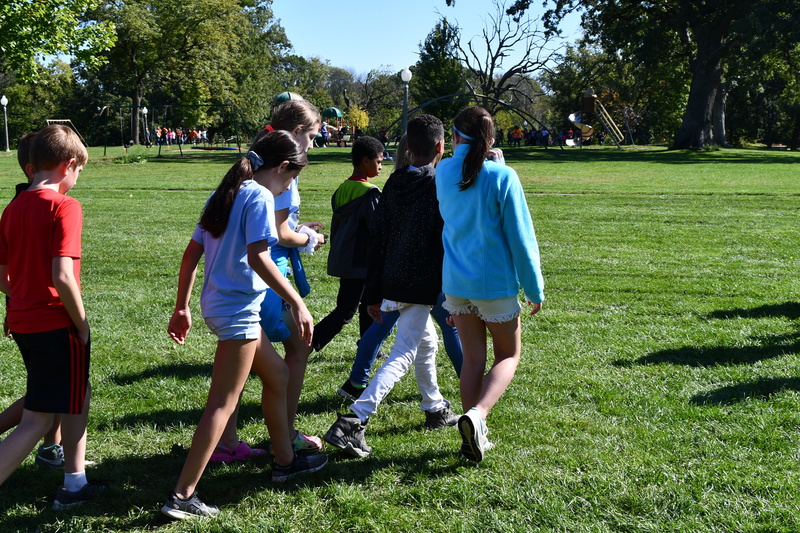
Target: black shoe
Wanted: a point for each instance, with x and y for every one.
(191, 507)
(347, 434)
(66, 498)
(301, 464)
(350, 391)
(442, 418)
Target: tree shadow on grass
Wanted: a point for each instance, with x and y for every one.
(183, 370)
(762, 389)
(709, 356)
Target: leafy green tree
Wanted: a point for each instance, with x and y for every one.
(438, 72)
(30, 29)
(703, 33)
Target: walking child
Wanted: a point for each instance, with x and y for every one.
(490, 249)
(405, 275)
(302, 121)
(40, 258)
(235, 231)
(354, 204)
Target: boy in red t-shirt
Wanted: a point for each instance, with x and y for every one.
(40, 252)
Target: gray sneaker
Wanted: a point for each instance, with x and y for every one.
(50, 456)
(442, 418)
(347, 434)
(191, 507)
(66, 498)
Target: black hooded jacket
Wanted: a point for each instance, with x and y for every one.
(406, 252)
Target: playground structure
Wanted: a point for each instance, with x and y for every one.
(591, 106)
(67, 122)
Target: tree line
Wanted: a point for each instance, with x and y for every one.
(690, 74)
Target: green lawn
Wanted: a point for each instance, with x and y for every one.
(658, 389)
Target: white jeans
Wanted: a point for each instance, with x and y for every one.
(415, 342)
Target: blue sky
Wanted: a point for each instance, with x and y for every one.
(362, 35)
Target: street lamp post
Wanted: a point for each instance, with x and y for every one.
(4, 103)
(405, 75)
(146, 131)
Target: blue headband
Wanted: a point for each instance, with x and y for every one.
(255, 160)
(467, 137)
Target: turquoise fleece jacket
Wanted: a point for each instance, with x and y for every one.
(490, 247)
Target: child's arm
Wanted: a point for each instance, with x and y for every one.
(260, 259)
(70, 294)
(288, 238)
(181, 321)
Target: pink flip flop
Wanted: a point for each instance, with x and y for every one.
(242, 452)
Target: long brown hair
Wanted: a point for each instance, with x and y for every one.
(272, 149)
(475, 125)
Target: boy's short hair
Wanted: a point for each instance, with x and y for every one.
(24, 150)
(53, 145)
(423, 132)
(366, 146)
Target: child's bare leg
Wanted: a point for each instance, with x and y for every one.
(73, 434)
(472, 332)
(274, 374)
(507, 345)
(16, 447)
(233, 361)
(297, 353)
(53, 436)
(11, 416)
(230, 437)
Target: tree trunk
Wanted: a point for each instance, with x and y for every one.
(718, 117)
(137, 102)
(697, 129)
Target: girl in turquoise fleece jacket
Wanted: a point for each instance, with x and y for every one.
(490, 250)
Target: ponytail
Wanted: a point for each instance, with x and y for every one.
(269, 151)
(475, 125)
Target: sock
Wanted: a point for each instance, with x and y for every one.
(75, 482)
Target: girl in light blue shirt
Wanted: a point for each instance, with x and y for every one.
(490, 251)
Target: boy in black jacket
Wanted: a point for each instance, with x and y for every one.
(404, 274)
(353, 204)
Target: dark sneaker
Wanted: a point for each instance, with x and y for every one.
(191, 507)
(347, 434)
(474, 435)
(66, 499)
(350, 391)
(301, 464)
(440, 419)
(50, 456)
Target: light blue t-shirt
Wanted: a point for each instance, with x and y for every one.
(290, 199)
(230, 285)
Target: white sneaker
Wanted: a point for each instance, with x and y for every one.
(474, 435)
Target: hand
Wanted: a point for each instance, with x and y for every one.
(83, 332)
(316, 226)
(322, 238)
(450, 321)
(375, 312)
(179, 325)
(536, 308)
(496, 154)
(304, 322)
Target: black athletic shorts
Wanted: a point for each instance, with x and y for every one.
(57, 363)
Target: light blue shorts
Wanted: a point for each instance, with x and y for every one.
(495, 310)
(243, 326)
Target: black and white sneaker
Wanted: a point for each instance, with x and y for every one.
(191, 507)
(442, 418)
(50, 456)
(347, 434)
(66, 498)
(301, 464)
(350, 391)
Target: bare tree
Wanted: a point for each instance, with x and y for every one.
(486, 56)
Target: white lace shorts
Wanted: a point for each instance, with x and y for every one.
(496, 310)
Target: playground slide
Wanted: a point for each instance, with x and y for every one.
(586, 130)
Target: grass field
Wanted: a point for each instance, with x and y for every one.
(658, 389)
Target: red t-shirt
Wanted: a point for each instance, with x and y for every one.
(35, 228)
